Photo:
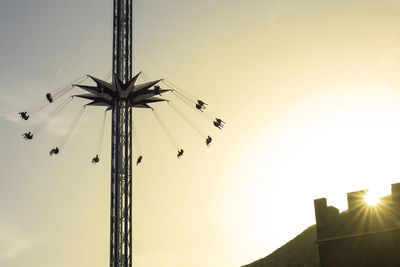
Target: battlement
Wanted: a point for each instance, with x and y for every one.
(396, 193)
(360, 230)
(356, 199)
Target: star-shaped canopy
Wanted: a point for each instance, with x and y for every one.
(139, 96)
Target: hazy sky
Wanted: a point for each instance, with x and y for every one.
(310, 91)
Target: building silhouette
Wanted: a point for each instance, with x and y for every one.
(363, 235)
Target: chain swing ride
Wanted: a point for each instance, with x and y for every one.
(103, 94)
(119, 97)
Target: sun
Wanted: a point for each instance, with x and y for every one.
(371, 198)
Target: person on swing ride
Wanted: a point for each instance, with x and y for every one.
(96, 159)
(200, 105)
(139, 159)
(156, 90)
(180, 153)
(208, 140)
(27, 136)
(219, 123)
(54, 151)
(49, 98)
(24, 115)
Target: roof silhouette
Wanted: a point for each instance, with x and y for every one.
(302, 251)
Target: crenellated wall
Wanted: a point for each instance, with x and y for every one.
(363, 235)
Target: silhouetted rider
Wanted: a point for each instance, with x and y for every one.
(200, 105)
(180, 153)
(96, 159)
(54, 151)
(27, 136)
(49, 98)
(219, 123)
(139, 159)
(24, 115)
(208, 140)
(156, 90)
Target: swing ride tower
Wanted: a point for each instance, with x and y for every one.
(121, 141)
(120, 96)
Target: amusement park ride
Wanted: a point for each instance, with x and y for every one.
(119, 97)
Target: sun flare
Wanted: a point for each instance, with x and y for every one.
(372, 198)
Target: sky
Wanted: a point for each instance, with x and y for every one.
(309, 91)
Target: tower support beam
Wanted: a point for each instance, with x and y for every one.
(121, 143)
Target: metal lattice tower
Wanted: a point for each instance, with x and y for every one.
(120, 96)
(121, 142)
